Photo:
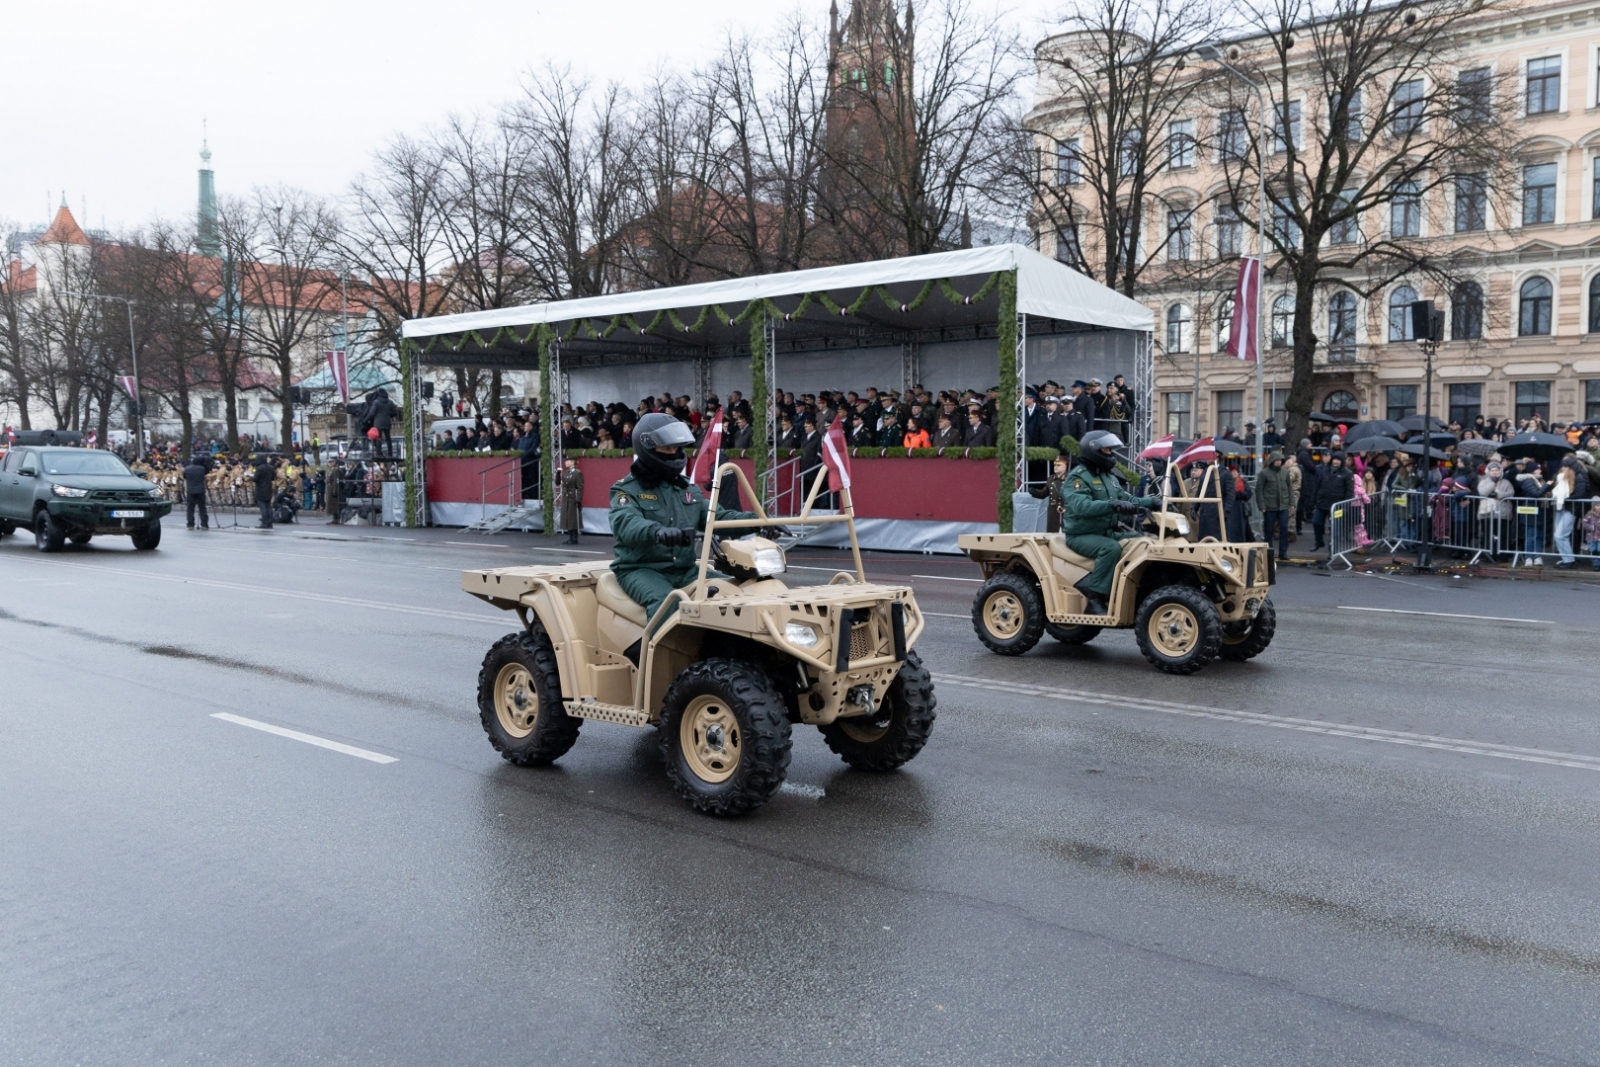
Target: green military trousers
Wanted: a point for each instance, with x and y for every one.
(649, 587)
(1105, 551)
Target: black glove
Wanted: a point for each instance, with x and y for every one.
(1125, 507)
(772, 533)
(674, 535)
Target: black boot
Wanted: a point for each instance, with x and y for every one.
(1095, 604)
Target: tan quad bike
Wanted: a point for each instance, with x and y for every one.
(724, 668)
(1187, 601)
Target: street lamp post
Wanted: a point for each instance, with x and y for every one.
(1214, 54)
(133, 350)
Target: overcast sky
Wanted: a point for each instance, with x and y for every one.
(107, 98)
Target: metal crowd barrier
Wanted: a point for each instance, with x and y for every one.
(1519, 530)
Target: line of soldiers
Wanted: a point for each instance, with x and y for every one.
(230, 483)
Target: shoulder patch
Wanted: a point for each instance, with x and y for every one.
(619, 497)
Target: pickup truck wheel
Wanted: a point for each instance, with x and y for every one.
(80, 539)
(1178, 629)
(519, 700)
(1008, 614)
(896, 733)
(1252, 637)
(147, 537)
(724, 737)
(5, 527)
(48, 536)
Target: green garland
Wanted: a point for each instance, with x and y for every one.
(414, 506)
(547, 457)
(1007, 451)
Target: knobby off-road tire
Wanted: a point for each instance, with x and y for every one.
(1008, 614)
(1252, 639)
(48, 536)
(724, 737)
(519, 700)
(1178, 629)
(148, 537)
(896, 733)
(1071, 635)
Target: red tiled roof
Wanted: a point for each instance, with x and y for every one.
(64, 230)
(23, 279)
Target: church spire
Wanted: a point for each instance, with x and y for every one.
(206, 219)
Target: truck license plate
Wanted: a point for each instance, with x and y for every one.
(127, 514)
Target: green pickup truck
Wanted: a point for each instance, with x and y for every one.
(72, 494)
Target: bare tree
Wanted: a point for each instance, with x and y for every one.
(212, 291)
(15, 382)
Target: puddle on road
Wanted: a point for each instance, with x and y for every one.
(1127, 863)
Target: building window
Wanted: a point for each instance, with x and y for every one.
(1405, 211)
(1130, 157)
(1069, 164)
(243, 407)
(1538, 194)
(1342, 328)
(1180, 328)
(1180, 143)
(1224, 322)
(1345, 230)
(1180, 234)
(1230, 231)
(1472, 202)
(1474, 104)
(1594, 306)
(1352, 127)
(1400, 402)
(1341, 404)
(1285, 227)
(1466, 403)
(1400, 302)
(1286, 130)
(1533, 400)
(1128, 237)
(208, 407)
(1544, 85)
(1233, 134)
(1067, 248)
(1408, 108)
(1178, 413)
(1466, 311)
(1594, 211)
(1533, 315)
(1230, 410)
(1591, 409)
(1279, 399)
(1283, 321)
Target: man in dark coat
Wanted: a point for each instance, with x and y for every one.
(266, 471)
(1335, 483)
(1080, 417)
(979, 433)
(194, 490)
(381, 411)
(335, 493)
(571, 500)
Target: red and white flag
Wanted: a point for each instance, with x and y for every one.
(94, 438)
(1244, 335)
(341, 374)
(705, 458)
(1161, 449)
(130, 385)
(1202, 451)
(11, 436)
(836, 455)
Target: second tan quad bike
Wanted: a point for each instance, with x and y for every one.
(1187, 601)
(724, 668)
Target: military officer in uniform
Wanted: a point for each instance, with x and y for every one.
(655, 512)
(1092, 498)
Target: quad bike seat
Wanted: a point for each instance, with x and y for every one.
(1059, 549)
(609, 592)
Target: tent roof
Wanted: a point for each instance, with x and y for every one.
(1045, 288)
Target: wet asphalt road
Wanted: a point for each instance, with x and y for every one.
(1236, 868)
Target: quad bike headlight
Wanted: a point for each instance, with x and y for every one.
(1226, 564)
(798, 633)
(769, 561)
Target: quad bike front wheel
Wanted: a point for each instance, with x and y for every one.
(1246, 640)
(896, 732)
(725, 737)
(1008, 614)
(519, 700)
(1178, 629)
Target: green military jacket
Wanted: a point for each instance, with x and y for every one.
(1086, 500)
(1274, 489)
(639, 509)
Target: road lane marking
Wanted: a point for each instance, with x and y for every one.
(946, 615)
(943, 578)
(310, 739)
(800, 789)
(1446, 615)
(475, 544)
(1284, 722)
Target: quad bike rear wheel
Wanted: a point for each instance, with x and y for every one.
(1178, 629)
(1251, 638)
(519, 700)
(725, 737)
(1008, 614)
(896, 732)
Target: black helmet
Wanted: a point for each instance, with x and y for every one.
(660, 430)
(1095, 450)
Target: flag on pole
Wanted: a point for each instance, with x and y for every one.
(1202, 451)
(94, 439)
(1161, 449)
(1244, 336)
(130, 385)
(705, 458)
(836, 455)
(341, 374)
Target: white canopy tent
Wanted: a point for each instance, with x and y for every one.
(1001, 293)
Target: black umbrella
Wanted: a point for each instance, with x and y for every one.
(1374, 428)
(1477, 446)
(1317, 416)
(1535, 446)
(1414, 422)
(1373, 444)
(1415, 448)
(1233, 448)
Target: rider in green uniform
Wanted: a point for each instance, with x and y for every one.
(655, 512)
(1092, 498)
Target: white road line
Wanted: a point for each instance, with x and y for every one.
(477, 544)
(310, 739)
(810, 792)
(946, 615)
(943, 578)
(1446, 615)
(1284, 722)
